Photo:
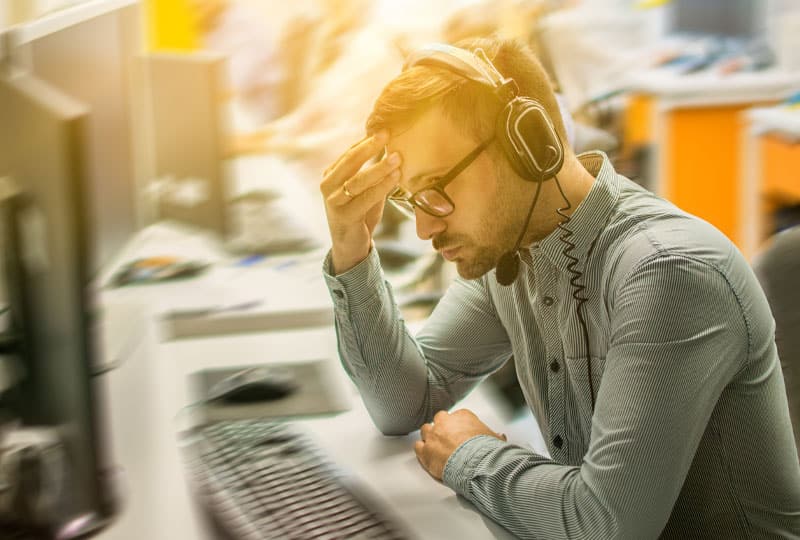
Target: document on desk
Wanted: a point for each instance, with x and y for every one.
(278, 294)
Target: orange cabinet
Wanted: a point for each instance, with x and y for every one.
(696, 131)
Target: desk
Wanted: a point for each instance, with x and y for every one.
(148, 392)
(276, 293)
(694, 124)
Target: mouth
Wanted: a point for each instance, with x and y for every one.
(450, 253)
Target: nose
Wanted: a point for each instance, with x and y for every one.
(428, 226)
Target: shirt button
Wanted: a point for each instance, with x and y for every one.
(554, 366)
(338, 293)
(558, 442)
(548, 301)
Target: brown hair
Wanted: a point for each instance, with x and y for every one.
(470, 105)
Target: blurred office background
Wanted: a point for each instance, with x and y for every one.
(693, 99)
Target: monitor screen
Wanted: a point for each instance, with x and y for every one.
(44, 142)
(729, 18)
(87, 51)
(186, 127)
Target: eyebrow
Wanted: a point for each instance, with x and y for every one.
(414, 180)
(417, 179)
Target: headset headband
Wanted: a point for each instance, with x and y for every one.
(525, 130)
(474, 66)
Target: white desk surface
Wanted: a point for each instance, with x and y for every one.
(709, 88)
(781, 120)
(276, 292)
(146, 397)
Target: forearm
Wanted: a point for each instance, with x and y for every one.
(379, 354)
(530, 495)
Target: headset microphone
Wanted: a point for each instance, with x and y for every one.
(508, 268)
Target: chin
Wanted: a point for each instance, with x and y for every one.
(472, 269)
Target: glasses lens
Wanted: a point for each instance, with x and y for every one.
(434, 202)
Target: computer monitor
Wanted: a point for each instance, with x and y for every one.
(44, 163)
(186, 130)
(87, 51)
(744, 19)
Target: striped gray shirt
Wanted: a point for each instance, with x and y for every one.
(690, 435)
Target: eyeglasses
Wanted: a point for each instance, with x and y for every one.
(432, 199)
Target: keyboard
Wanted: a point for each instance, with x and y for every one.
(267, 480)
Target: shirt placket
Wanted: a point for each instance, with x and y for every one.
(546, 306)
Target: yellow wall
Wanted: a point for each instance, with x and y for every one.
(171, 25)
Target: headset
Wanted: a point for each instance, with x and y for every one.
(522, 119)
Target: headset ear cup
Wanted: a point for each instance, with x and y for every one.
(501, 130)
(529, 140)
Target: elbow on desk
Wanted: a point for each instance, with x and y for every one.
(391, 425)
(395, 427)
(394, 432)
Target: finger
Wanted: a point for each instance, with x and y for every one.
(425, 431)
(340, 158)
(352, 160)
(440, 416)
(348, 192)
(419, 446)
(365, 179)
(503, 437)
(419, 450)
(360, 205)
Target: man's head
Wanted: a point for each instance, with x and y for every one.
(436, 118)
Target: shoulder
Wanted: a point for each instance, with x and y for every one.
(675, 243)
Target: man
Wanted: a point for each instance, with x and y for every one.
(642, 341)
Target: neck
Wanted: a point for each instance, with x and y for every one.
(576, 182)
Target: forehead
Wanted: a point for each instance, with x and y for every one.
(430, 146)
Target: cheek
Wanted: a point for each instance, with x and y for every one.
(479, 218)
(476, 194)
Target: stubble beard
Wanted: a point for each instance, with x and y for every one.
(503, 221)
(498, 237)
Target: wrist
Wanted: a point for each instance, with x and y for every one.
(342, 262)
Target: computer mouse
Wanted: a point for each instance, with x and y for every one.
(253, 385)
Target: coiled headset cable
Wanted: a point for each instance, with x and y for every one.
(576, 282)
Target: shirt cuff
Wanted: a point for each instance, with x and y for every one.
(357, 285)
(464, 461)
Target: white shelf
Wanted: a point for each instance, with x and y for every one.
(782, 120)
(64, 18)
(709, 88)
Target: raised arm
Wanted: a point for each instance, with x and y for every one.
(404, 381)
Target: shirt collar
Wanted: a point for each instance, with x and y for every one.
(591, 216)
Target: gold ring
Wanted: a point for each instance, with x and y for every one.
(347, 191)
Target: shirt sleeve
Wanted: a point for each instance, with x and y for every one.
(404, 381)
(678, 336)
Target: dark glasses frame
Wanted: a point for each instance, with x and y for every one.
(406, 202)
